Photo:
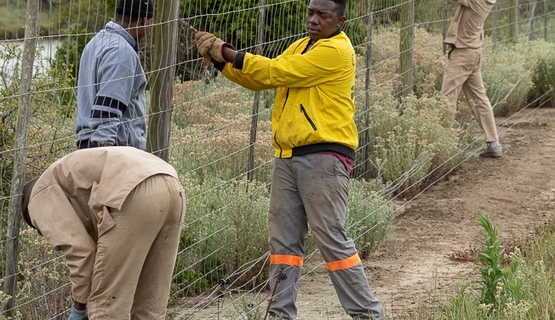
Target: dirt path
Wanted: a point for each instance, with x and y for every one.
(413, 265)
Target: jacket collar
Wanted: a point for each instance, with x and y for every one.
(311, 42)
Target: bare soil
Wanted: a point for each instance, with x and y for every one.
(428, 253)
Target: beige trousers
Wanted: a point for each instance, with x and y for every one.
(135, 259)
(463, 73)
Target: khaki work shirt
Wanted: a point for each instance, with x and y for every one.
(70, 202)
(467, 28)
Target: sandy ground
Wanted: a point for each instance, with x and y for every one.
(416, 265)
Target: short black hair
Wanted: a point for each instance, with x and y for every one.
(136, 8)
(341, 4)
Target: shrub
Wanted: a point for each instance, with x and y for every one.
(429, 62)
(42, 270)
(65, 62)
(414, 141)
(49, 111)
(202, 110)
(225, 233)
(368, 217)
(540, 58)
(507, 78)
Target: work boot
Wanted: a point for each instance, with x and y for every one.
(493, 150)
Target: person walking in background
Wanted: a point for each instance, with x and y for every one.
(116, 214)
(465, 38)
(315, 138)
(111, 103)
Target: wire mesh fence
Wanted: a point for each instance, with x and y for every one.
(216, 133)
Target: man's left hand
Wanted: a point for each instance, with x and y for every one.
(78, 314)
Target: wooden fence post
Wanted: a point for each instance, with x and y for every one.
(545, 19)
(531, 19)
(18, 178)
(444, 24)
(513, 21)
(256, 103)
(367, 103)
(163, 78)
(494, 25)
(407, 48)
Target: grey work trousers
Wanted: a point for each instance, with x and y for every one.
(463, 73)
(135, 258)
(312, 190)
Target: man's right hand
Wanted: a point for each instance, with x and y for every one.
(210, 46)
(205, 41)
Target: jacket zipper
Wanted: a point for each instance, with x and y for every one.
(303, 110)
(277, 143)
(275, 134)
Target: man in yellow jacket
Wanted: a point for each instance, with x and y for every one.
(115, 213)
(314, 138)
(465, 38)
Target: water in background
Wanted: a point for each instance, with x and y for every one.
(46, 49)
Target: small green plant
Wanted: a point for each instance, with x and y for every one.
(499, 284)
(490, 258)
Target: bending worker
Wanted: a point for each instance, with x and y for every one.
(115, 213)
(314, 138)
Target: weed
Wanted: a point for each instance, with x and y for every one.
(500, 285)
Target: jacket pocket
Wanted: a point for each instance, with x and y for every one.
(307, 117)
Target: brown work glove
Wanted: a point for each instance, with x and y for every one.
(210, 47)
(204, 41)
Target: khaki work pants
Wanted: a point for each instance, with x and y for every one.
(135, 258)
(463, 73)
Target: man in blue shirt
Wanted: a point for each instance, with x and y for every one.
(111, 82)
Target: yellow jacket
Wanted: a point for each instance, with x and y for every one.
(314, 105)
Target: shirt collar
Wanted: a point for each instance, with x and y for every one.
(116, 28)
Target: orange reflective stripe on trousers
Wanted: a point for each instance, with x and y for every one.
(286, 259)
(344, 263)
